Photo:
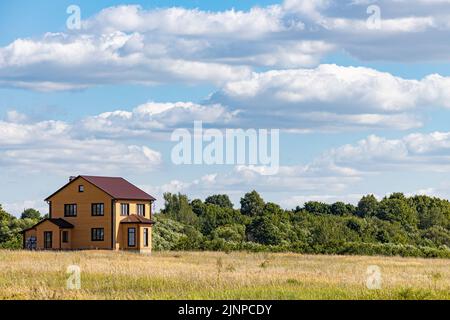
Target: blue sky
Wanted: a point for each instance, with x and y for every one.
(360, 110)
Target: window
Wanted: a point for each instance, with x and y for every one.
(80, 188)
(141, 210)
(70, 210)
(125, 209)
(98, 209)
(131, 237)
(98, 234)
(65, 236)
(48, 235)
(145, 237)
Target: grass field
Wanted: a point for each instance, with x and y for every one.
(215, 275)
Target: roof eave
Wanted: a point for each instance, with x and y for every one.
(135, 199)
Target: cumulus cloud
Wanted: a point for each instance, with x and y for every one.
(152, 118)
(327, 98)
(128, 44)
(180, 21)
(334, 86)
(332, 97)
(418, 151)
(50, 145)
(61, 62)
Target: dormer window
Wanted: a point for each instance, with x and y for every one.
(80, 188)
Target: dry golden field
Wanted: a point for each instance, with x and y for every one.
(216, 275)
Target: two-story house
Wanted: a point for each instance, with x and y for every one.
(95, 213)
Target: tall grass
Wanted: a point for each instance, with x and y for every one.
(216, 275)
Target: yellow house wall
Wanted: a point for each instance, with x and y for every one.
(139, 237)
(68, 245)
(124, 237)
(149, 248)
(84, 221)
(121, 234)
(30, 233)
(39, 233)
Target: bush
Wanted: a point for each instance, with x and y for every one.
(231, 232)
(166, 233)
(390, 249)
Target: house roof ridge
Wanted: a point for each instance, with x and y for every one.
(118, 188)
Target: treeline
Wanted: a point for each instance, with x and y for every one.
(10, 227)
(397, 225)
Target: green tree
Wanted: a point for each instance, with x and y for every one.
(342, 209)
(252, 204)
(177, 207)
(197, 206)
(5, 222)
(230, 232)
(214, 216)
(221, 200)
(367, 206)
(328, 233)
(272, 209)
(263, 230)
(31, 214)
(397, 209)
(316, 207)
(431, 211)
(10, 228)
(438, 235)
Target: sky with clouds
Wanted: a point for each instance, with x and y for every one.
(362, 105)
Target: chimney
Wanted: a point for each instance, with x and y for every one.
(72, 178)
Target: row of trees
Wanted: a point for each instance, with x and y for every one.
(11, 226)
(396, 225)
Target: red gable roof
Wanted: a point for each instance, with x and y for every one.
(119, 188)
(116, 187)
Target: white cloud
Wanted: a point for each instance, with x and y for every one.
(335, 86)
(14, 116)
(50, 145)
(332, 97)
(128, 44)
(328, 98)
(180, 21)
(428, 152)
(14, 133)
(61, 62)
(150, 118)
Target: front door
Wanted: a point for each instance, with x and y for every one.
(48, 237)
